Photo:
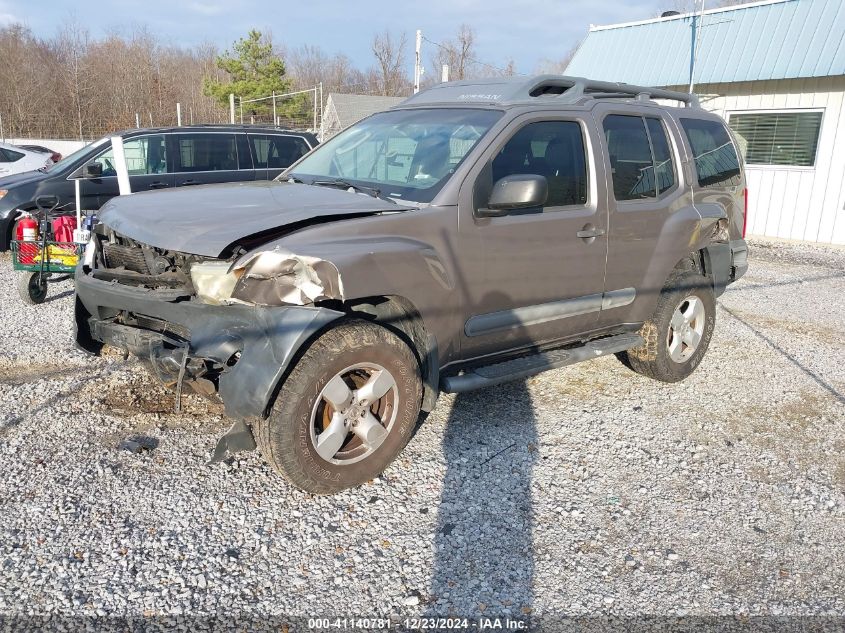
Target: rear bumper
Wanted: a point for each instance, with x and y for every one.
(726, 262)
(248, 348)
(739, 259)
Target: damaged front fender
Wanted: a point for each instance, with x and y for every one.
(280, 277)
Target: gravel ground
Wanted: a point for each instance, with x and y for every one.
(585, 490)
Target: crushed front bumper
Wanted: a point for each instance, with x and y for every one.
(250, 347)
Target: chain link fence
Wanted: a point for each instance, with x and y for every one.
(300, 110)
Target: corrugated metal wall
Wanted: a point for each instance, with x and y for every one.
(801, 203)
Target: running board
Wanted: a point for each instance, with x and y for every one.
(526, 366)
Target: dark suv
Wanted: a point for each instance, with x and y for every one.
(158, 158)
(480, 232)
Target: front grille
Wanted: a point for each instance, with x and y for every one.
(128, 257)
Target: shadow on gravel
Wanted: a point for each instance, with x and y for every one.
(484, 559)
(68, 391)
(807, 371)
(59, 296)
(791, 282)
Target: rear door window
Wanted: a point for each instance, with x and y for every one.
(640, 156)
(663, 168)
(631, 162)
(275, 151)
(206, 152)
(716, 161)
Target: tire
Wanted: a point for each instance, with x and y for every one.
(668, 355)
(297, 438)
(31, 291)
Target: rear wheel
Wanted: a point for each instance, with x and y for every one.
(32, 288)
(345, 411)
(679, 332)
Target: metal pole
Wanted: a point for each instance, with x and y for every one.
(191, 112)
(322, 111)
(314, 127)
(231, 108)
(417, 70)
(241, 104)
(137, 120)
(275, 118)
(696, 30)
(179, 114)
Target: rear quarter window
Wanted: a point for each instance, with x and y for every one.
(9, 155)
(273, 151)
(716, 160)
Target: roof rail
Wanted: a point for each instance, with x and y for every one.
(563, 89)
(572, 89)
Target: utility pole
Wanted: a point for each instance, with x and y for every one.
(314, 126)
(231, 108)
(444, 77)
(137, 120)
(275, 118)
(417, 67)
(179, 114)
(696, 32)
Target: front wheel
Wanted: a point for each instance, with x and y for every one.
(32, 288)
(345, 411)
(679, 332)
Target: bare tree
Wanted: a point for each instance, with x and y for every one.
(310, 65)
(74, 42)
(557, 66)
(390, 61)
(459, 55)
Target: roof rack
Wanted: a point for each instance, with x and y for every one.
(572, 89)
(561, 88)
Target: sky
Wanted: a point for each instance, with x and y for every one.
(527, 31)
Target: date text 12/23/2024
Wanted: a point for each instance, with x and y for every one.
(418, 624)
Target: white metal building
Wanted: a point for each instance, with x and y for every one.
(775, 70)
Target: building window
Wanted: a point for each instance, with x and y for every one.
(779, 138)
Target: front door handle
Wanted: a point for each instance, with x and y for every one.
(590, 232)
(187, 183)
(158, 185)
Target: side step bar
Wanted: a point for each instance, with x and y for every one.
(526, 366)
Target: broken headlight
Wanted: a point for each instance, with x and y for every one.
(213, 281)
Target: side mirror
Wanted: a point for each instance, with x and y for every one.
(47, 203)
(92, 170)
(519, 191)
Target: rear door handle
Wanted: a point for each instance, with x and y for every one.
(186, 183)
(158, 185)
(586, 233)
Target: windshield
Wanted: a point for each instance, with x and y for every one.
(70, 159)
(405, 154)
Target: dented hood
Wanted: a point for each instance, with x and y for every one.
(205, 220)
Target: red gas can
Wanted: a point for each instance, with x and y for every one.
(63, 228)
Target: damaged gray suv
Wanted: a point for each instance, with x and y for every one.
(480, 232)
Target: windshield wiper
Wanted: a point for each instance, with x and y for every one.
(345, 184)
